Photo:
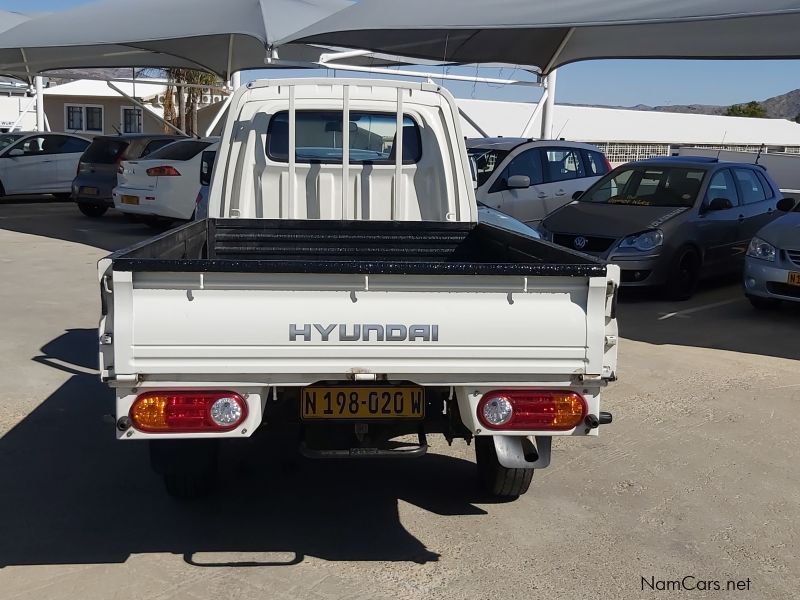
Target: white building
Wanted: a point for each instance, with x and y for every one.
(625, 135)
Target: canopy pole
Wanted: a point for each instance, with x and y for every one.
(472, 122)
(145, 108)
(549, 104)
(218, 117)
(527, 131)
(39, 103)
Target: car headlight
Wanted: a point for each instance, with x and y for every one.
(760, 249)
(644, 242)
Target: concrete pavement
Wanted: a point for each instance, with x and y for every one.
(696, 477)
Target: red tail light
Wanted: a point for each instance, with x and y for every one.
(531, 410)
(188, 411)
(163, 172)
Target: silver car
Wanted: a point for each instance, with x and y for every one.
(772, 266)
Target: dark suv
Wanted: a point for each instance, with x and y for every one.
(669, 221)
(97, 170)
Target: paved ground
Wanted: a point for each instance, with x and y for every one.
(698, 476)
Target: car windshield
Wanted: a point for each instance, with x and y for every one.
(486, 161)
(648, 186)
(7, 139)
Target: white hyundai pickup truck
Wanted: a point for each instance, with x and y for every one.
(342, 289)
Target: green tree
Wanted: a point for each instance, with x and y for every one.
(180, 109)
(752, 109)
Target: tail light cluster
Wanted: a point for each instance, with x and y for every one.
(188, 411)
(531, 410)
(166, 171)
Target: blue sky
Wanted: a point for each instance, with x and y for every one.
(617, 82)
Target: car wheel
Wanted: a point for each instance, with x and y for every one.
(95, 211)
(762, 303)
(684, 274)
(497, 480)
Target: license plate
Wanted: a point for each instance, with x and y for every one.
(794, 278)
(130, 199)
(404, 402)
(89, 191)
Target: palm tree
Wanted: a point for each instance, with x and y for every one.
(183, 114)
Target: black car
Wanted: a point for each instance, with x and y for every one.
(97, 171)
(669, 221)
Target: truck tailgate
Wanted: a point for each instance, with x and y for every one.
(300, 328)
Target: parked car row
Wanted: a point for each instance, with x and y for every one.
(667, 222)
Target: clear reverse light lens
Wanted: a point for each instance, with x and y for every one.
(649, 240)
(226, 411)
(760, 249)
(498, 411)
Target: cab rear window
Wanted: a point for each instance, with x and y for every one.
(319, 138)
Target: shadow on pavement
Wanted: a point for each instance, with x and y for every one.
(72, 494)
(63, 221)
(718, 317)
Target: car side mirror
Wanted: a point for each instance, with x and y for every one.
(518, 182)
(786, 204)
(16, 152)
(577, 195)
(719, 204)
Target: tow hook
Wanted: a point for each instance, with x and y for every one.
(593, 422)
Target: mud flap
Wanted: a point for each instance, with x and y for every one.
(521, 453)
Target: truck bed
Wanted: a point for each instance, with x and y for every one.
(225, 299)
(354, 247)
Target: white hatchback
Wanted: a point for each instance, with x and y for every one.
(529, 179)
(164, 187)
(39, 163)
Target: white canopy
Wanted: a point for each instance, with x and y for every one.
(213, 35)
(546, 33)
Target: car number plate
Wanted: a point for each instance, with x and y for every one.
(130, 199)
(794, 278)
(403, 402)
(89, 191)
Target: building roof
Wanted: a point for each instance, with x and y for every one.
(590, 124)
(100, 89)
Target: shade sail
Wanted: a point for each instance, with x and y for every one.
(9, 19)
(546, 34)
(213, 35)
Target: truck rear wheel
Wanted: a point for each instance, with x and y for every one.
(189, 467)
(497, 480)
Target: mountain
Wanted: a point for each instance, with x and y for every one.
(785, 106)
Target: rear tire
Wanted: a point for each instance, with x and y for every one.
(684, 275)
(93, 211)
(762, 303)
(497, 480)
(189, 467)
